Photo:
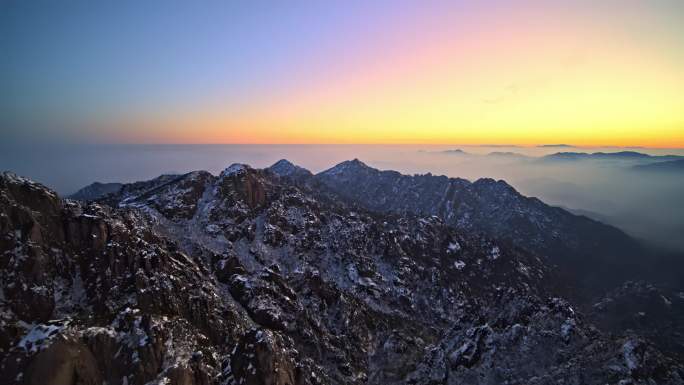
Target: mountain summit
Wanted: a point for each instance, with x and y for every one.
(285, 168)
(494, 208)
(254, 278)
(346, 167)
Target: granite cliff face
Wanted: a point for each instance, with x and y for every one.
(271, 277)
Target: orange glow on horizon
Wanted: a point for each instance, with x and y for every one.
(576, 82)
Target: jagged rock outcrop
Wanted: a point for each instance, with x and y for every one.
(96, 191)
(286, 169)
(253, 278)
(640, 307)
(92, 294)
(594, 254)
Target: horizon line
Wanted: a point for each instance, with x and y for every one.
(540, 145)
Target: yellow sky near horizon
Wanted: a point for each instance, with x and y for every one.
(509, 78)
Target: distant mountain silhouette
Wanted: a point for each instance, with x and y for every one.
(620, 155)
(667, 166)
(456, 151)
(507, 154)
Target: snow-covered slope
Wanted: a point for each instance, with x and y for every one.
(249, 278)
(584, 247)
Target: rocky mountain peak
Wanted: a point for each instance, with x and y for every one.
(285, 168)
(347, 167)
(234, 169)
(29, 193)
(95, 191)
(491, 207)
(249, 278)
(494, 185)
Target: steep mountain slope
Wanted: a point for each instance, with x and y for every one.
(93, 295)
(652, 311)
(95, 191)
(600, 254)
(249, 278)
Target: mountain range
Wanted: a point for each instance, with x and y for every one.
(644, 162)
(350, 276)
(620, 155)
(667, 166)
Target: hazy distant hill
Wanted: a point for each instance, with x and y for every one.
(676, 166)
(555, 145)
(507, 154)
(456, 151)
(620, 155)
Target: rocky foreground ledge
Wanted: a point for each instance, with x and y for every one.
(251, 277)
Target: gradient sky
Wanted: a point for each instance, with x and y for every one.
(497, 72)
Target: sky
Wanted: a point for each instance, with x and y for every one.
(425, 72)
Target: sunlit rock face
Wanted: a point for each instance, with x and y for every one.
(280, 277)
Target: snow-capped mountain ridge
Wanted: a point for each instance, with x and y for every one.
(253, 278)
(285, 168)
(495, 208)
